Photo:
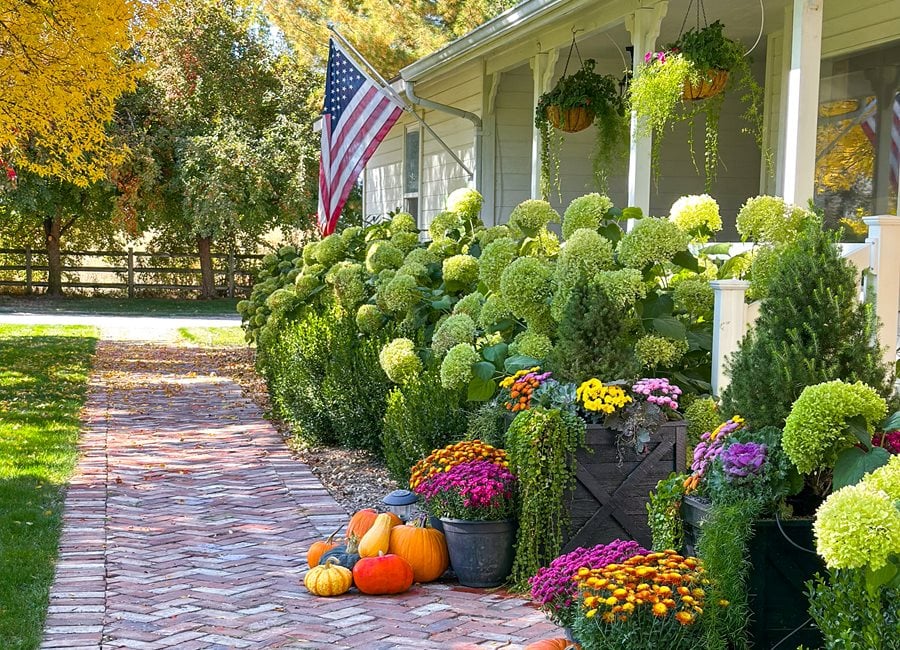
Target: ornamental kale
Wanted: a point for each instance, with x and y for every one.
(741, 461)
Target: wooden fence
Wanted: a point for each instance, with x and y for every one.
(129, 271)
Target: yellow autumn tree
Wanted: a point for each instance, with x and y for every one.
(62, 67)
(389, 33)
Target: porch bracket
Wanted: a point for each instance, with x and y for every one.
(802, 102)
(643, 24)
(543, 67)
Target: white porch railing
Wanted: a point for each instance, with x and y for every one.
(879, 255)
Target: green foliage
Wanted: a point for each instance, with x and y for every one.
(586, 211)
(541, 447)
(43, 383)
(420, 416)
(723, 548)
(816, 431)
(702, 415)
(488, 424)
(852, 615)
(664, 513)
(651, 241)
(596, 337)
(811, 329)
(586, 253)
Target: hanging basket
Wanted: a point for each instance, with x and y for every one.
(570, 120)
(709, 85)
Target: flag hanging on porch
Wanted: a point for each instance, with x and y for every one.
(357, 115)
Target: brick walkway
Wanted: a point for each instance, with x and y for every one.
(187, 523)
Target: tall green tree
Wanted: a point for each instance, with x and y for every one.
(220, 132)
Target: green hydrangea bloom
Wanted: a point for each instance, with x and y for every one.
(693, 295)
(466, 202)
(369, 319)
(456, 368)
(814, 431)
(652, 240)
(405, 241)
(494, 259)
(399, 295)
(857, 527)
(443, 248)
(585, 254)
(404, 222)
(309, 252)
(456, 329)
(331, 250)
(469, 304)
(351, 233)
(623, 286)
(886, 478)
(530, 216)
(488, 235)
(243, 306)
(655, 351)
(443, 224)
(548, 245)
(493, 311)
(762, 270)
(702, 416)
(585, 212)
(383, 255)
(416, 269)
(282, 299)
(349, 284)
(288, 251)
(382, 279)
(531, 344)
(770, 219)
(460, 271)
(527, 287)
(697, 215)
(304, 285)
(399, 361)
(421, 256)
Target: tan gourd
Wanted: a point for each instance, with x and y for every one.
(378, 538)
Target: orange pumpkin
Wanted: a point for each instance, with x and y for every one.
(378, 538)
(385, 574)
(553, 644)
(362, 521)
(424, 548)
(320, 548)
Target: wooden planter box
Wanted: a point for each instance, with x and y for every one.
(610, 500)
(776, 582)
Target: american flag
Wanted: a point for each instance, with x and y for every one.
(357, 115)
(870, 128)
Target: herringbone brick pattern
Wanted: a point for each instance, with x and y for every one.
(187, 524)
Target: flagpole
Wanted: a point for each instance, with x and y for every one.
(406, 107)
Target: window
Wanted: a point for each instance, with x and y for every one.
(858, 136)
(411, 169)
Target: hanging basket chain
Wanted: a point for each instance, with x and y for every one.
(699, 9)
(573, 46)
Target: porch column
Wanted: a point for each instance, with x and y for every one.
(802, 102)
(885, 81)
(643, 25)
(543, 67)
(729, 327)
(884, 235)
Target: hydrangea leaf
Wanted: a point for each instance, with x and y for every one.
(892, 423)
(514, 364)
(496, 353)
(483, 370)
(686, 261)
(670, 327)
(481, 390)
(854, 463)
(858, 426)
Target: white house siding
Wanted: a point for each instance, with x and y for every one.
(514, 126)
(383, 177)
(853, 26)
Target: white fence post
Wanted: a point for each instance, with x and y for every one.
(729, 326)
(884, 235)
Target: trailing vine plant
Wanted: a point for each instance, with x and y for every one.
(664, 513)
(541, 445)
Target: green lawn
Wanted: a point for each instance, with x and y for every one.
(43, 380)
(142, 306)
(216, 337)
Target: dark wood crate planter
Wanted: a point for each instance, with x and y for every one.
(777, 579)
(610, 500)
